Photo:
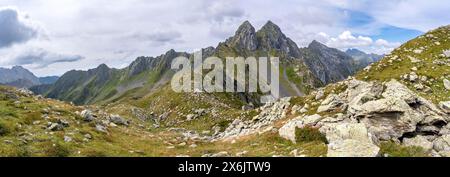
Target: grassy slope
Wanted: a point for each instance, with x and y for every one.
(389, 68)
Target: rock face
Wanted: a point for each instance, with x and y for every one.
(245, 38)
(377, 112)
(328, 64)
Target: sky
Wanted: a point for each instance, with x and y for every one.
(50, 37)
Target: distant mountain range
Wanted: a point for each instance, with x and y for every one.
(303, 68)
(20, 77)
(363, 59)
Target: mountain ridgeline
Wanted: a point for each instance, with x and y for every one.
(20, 77)
(302, 69)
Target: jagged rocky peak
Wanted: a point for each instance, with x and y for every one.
(317, 45)
(271, 37)
(244, 38)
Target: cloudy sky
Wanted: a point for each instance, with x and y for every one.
(50, 37)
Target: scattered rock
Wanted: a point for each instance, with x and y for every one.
(101, 128)
(116, 119)
(320, 94)
(447, 53)
(220, 154)
(447, 84)
(417, 51)
(332, 103)
(240, 154)
(445, 106)
(190, 117)
(67, 139)
(248, 107)
(413, 77)
(87, 115)
(55, 127)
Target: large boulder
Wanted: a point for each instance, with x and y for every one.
(349, 140)
(118, 120)
(399, 111)
(87, 115)
(352, 148)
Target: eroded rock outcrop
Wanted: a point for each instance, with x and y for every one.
(366, 113)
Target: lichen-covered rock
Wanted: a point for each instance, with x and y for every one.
(349, 140)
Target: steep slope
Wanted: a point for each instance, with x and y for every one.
(48, 79)
(296, 78)
(328, 64)
(18, 76)
(422, 64)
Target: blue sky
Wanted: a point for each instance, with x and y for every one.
(50, 37)
(387, 32)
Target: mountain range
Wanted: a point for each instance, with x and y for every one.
(20, 77)
(303, 68)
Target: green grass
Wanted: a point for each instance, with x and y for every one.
(395, 150)
(385, 70)
(309, 134)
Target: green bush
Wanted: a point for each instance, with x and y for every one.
(395, 150)
(6, 127)
(57, 150)
(309, 134)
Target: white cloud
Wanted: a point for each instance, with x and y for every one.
(347, 40)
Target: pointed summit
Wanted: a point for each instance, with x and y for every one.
(316, 45)
(246, 26)
(270, 26)
(271, 37)
(245, 38)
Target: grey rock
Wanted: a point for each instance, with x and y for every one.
(87, 115)
(67, 139)
(101, 128)
(445, 106)
(116, 119)
(418, 141)
(332, 103)
(349, 140)
(446, 84)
